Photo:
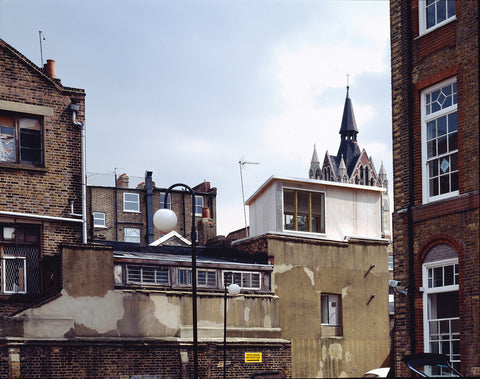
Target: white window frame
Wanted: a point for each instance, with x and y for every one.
(198, 205)
(98, 219)
(130, 235)
(435, 290)
(4, 273)
(333, 301)
(424, 120)
(143, 271)
(162, 200)
(188, 273)
(422, 19)
(241, 278)
(132, 202)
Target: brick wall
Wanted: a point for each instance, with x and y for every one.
(124, 359)
(44, 190)
(102, 199)
(451, 50)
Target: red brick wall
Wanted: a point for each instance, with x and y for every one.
(451, 50)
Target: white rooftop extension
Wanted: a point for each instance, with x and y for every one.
(318, 209)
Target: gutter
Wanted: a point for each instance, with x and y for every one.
(40, 217)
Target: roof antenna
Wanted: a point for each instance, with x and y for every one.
(41, 37)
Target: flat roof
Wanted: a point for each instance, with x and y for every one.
(317, 182)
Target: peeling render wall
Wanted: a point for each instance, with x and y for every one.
(306, 268)
(303, 270)
(89, 306)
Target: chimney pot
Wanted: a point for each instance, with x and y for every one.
(50, 68)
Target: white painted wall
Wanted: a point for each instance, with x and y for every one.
(350, 210)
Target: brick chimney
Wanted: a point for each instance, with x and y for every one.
(122, 181)
(49, 68)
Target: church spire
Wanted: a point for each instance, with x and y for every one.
(315, 171)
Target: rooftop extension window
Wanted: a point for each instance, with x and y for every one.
(303, 211)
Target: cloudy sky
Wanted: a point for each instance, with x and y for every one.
(187, 88)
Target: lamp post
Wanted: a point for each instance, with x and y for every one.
(165, 220)
(233, 289)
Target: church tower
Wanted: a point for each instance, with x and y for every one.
(351, 164)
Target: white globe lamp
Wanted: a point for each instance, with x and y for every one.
(233, 289)
(165, 220)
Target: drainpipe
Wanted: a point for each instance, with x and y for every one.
(411, 181)
(149, 206)
(81, 124)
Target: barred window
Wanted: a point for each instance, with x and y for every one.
(148, 275)
(244, 279)
(19, 260)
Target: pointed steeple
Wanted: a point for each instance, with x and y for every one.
(382, 176)
(315, 171)
(349, 126)
(348, 136)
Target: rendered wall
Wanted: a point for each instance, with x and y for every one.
(89, 306)
(303, 270)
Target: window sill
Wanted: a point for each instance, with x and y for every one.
(422, 33)
(18, 166)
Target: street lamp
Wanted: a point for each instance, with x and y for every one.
(165, 220)
(233, 289)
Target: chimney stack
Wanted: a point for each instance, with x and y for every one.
(122, 181)
(50, 68)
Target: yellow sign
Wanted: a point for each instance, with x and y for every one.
(253, 357)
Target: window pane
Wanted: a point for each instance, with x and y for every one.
(7, 140)
(442, 126)
(442, 145)
(148, 275)
(448, 276)
(450, 8)
(289, 219)
(433, 187)
(453, 142)
(444, 184)
(454, 181)
(431, 148)
(431, 130)
(289, 201)
(303, 202)
(201, 277)
(162, 276)
(302, 223)
(30, 140)
(441, 11)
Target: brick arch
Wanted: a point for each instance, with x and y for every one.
(438, 240)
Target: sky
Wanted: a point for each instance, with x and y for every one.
(188, 88)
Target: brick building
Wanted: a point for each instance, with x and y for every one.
(435, 88)
(125, 212)
(78, 309)
(40, 153)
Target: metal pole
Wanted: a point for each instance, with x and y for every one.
(194, 275)
(225, 332)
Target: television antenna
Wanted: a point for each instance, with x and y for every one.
(242, 164)
(41, 37)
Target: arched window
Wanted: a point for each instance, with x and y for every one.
(441, 317)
